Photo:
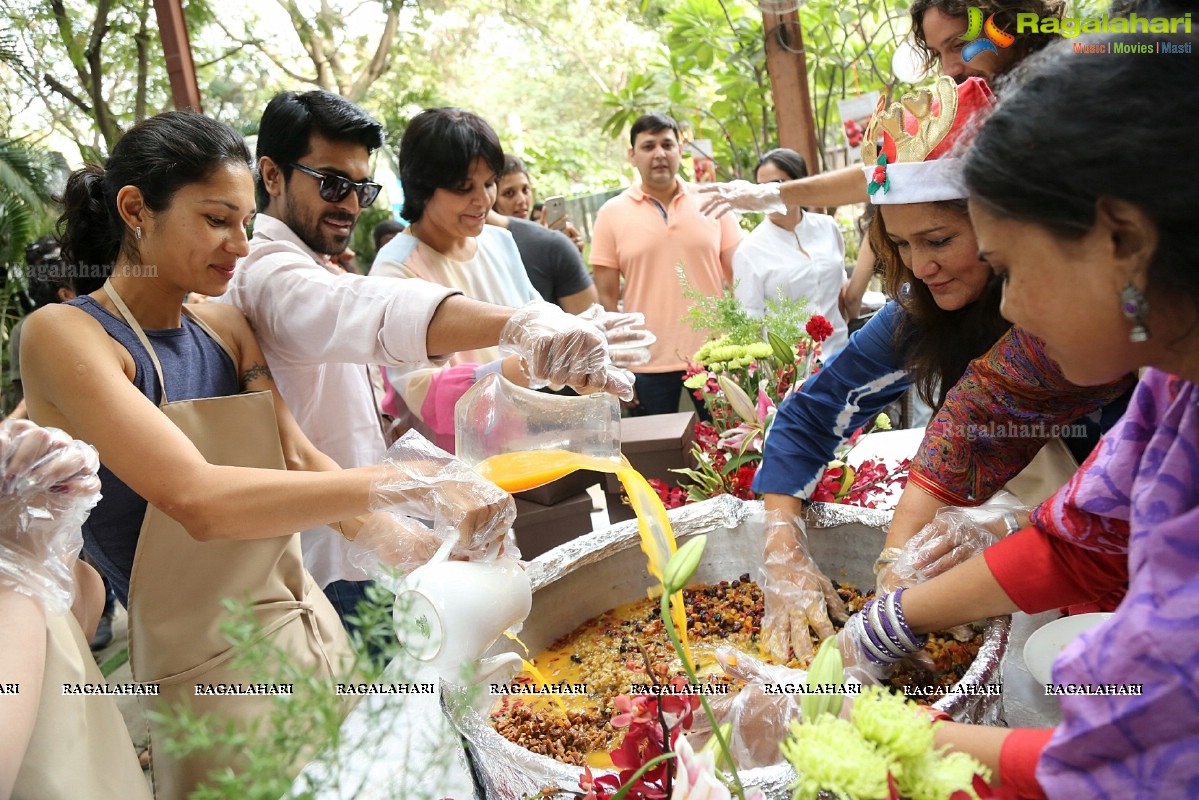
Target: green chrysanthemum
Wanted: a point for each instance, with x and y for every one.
(829, 754)
(895, 725)
(696, 381)
(937, 777)
(760, 350)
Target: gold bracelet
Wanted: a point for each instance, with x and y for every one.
(888, 556)
(342, 531)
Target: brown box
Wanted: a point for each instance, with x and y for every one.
(654, 446)
(540, 528)
(564, 487)
(618, 509)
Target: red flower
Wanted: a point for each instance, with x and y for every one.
(819, 328)
(599, 788)
(879, 176)
(633, 711)
(829, 485)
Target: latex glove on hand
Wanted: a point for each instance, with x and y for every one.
(955, 536)
(759, 715)
(396, 542)
(798, 597)
(741, 196)
(49, 486)
(420, 480)
(559, 349)
(628, 340)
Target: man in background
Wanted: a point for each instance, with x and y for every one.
(643, 237)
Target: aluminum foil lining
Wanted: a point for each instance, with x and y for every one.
(724, 511)
(603, 569)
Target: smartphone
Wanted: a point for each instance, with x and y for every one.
(553, 215)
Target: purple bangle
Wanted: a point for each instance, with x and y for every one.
(873, 652)
(873, 625)
(870, 624)
(882, 620)
(894, 603)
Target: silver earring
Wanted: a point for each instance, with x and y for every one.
(137, 233)
(1135, 308)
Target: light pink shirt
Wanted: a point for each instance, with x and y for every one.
(319, 329)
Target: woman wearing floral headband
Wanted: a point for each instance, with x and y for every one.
(1098, 256)
(943, 328)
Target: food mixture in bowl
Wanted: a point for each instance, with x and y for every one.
(624, 646)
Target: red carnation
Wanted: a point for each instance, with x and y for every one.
(819, 328)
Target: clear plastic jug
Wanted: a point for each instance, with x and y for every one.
(496, 417)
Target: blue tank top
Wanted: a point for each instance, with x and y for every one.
(193, 366)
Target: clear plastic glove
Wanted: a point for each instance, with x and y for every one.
(559, 349)
(759, 714)
(390, 541)
(628, 340)
(741, 196)
(954, 536)
(798, 596)
(420, 480)
(625, 328)
(853, 658)
(49, 486)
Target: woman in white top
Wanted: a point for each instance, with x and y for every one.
(800, 253)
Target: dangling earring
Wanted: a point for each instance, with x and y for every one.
(137, 233)
(1135, 308)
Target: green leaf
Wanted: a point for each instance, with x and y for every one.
(740, 460)
(784, 354)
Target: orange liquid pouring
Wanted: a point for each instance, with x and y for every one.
(516, 472)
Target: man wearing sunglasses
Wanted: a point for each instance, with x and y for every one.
(320, 328)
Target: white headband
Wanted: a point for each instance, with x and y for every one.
(919, 182)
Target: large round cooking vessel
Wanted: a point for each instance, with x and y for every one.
(580, 579)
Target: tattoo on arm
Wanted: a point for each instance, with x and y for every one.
(255, 372)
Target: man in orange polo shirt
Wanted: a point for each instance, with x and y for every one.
(645, 234)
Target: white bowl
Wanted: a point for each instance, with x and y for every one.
(1048, 641)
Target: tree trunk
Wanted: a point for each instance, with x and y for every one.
(789, 85)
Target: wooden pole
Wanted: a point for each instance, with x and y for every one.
(172, 28)
(788, 70)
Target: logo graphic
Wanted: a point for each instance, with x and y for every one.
(995, 38)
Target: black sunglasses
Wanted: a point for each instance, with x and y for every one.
(334, 188)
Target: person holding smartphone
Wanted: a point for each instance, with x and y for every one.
(514, 198)
(553, 263)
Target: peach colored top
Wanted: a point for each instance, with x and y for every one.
(646, 242)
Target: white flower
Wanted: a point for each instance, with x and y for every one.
(695, 776)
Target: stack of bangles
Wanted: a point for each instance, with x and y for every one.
(883, 632)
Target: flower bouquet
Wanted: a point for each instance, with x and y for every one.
(742, 375)
(883, 748)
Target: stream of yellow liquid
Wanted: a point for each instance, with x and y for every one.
(516, 472)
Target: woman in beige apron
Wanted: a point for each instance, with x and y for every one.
(80, 748)
(225, 480)
(269, 574)
(62, 738)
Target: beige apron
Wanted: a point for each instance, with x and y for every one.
(1045, 474)
(178, 583)
(80, 748)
